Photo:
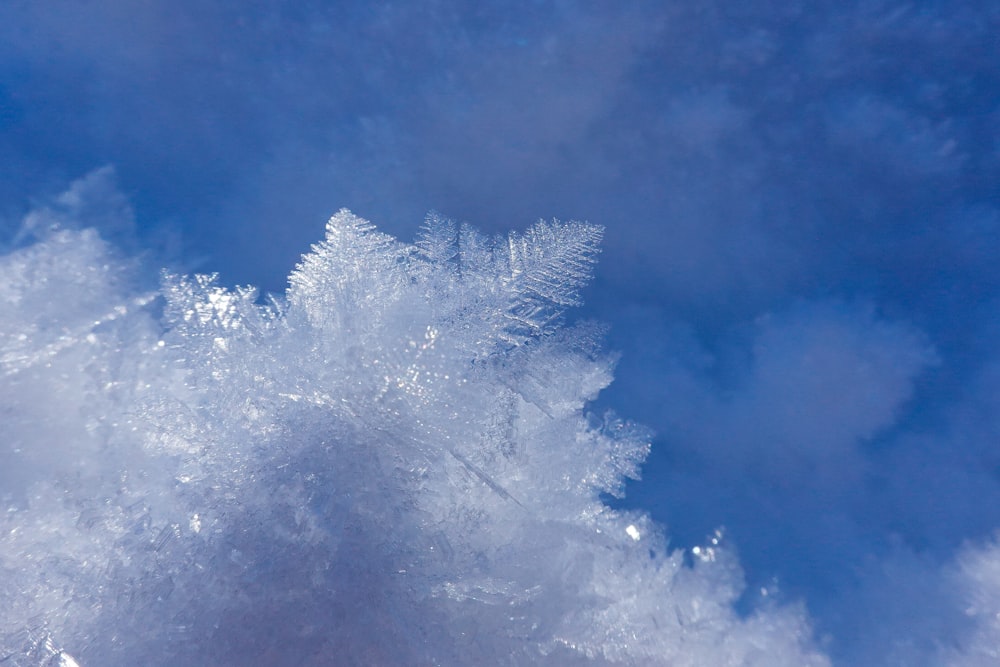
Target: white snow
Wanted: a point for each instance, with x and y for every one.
(393, 463)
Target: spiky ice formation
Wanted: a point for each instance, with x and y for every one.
(392, 464)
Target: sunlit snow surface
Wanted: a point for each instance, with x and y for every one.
(394, 463)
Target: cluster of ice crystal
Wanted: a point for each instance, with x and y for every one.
(394, 463)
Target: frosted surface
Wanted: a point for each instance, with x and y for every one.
(393, 463)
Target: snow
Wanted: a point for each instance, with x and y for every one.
(393, 463)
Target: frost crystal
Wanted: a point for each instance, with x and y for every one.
(393, 464)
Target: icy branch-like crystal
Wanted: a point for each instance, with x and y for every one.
(393, 464)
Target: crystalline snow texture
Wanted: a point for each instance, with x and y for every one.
(393, 464)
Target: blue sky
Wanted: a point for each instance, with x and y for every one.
(801, 209)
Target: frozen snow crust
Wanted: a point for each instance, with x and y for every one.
(393, 464)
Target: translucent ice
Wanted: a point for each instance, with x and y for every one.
(393, 463)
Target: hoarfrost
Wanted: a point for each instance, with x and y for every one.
(392, 464)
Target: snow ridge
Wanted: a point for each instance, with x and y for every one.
(393, 463)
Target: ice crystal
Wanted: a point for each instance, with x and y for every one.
(393, 463)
